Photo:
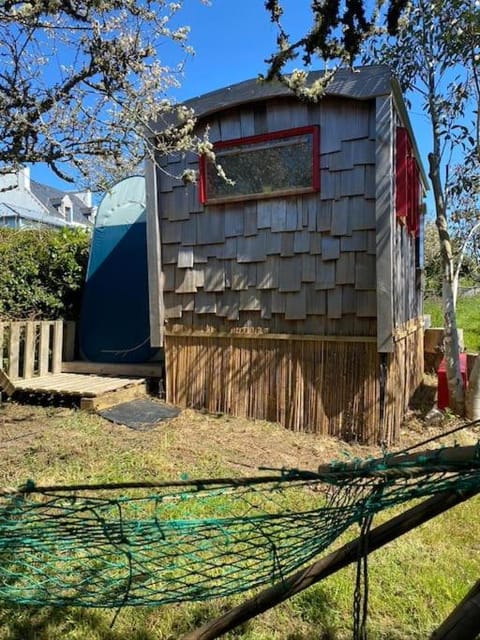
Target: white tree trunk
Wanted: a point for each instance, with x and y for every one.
(452, 350)
(472, 396)
(452, 344)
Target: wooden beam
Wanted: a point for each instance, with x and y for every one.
(144, 370)
(464, 621)
(154, 256)
(268, 336)
(330, 564)
(443, 458)
(407, 328)
(29, 351)
(114, 397)
(43, 351)
(14, 351)
(57, 346)
(385, 218)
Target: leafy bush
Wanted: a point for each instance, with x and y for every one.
(42, 272)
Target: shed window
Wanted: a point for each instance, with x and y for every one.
(265, 166)
(407, 183)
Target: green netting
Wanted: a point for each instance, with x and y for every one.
(202, 539)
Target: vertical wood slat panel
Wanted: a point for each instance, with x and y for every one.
(5, 382)
(285, 381)
(14, 351)
(57, 346)
(324, 387)
(29, 351)
(28, 348)
(44, 348)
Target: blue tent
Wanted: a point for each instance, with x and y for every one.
(114, 319)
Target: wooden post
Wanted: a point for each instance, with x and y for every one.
(43, 352)
(57, 346)
(384, 219)
(336, 560)
(6, 384)
(29, 352)
(14, 350)
(464, 621)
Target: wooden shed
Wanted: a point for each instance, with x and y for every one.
(292, 293)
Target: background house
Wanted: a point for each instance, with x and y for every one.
(294, 294)
(26, 203)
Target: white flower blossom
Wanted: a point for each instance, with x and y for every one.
(83, 82)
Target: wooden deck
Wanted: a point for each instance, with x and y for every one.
(36, 357)
(95, 392)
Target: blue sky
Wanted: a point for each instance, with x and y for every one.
(231, 39)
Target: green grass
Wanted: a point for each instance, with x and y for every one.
(414, 581)
(468, 318)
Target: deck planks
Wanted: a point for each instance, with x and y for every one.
(75, 384)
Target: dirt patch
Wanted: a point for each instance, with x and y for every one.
(54, 443)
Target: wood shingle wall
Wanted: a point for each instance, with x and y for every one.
(301, 264)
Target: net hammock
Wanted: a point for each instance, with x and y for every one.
(139, 544)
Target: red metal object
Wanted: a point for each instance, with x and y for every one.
(442, 386)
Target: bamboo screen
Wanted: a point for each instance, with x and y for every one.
(327, 387)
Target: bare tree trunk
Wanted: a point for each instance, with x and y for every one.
(452, 344)
(452, 351)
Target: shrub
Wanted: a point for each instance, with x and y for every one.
(42, 272)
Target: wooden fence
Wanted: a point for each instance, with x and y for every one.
(30, 348)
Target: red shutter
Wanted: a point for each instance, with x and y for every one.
(401, 173)
(413, 204)
(416, 201)
(410, 192)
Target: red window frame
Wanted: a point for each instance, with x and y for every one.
(313, 130)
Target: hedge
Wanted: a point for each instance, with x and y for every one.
(42, 272)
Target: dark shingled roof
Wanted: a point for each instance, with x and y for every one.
(362, 83)
(51, 197)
